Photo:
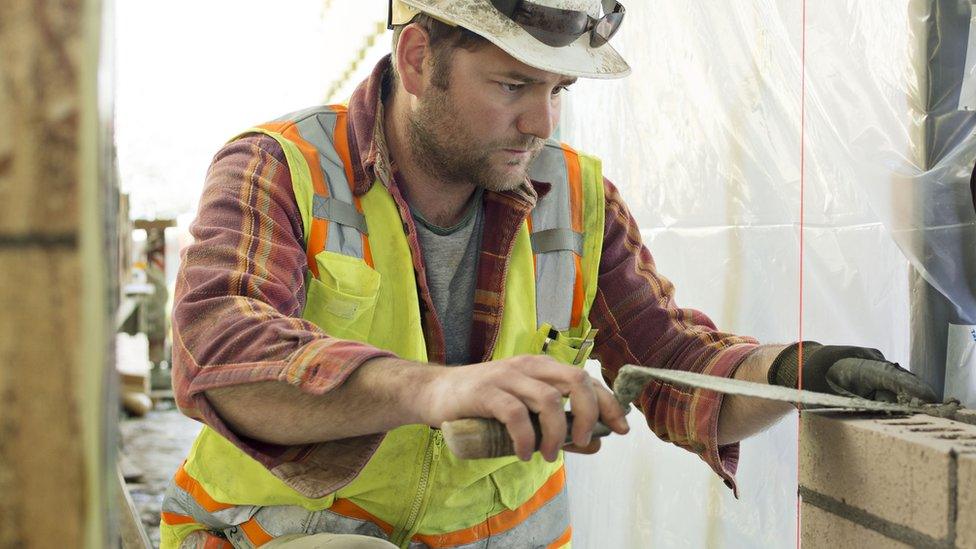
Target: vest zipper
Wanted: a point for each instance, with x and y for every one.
(434, 446)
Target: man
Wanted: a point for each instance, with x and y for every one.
(363, 275)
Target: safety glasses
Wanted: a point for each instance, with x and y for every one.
(557, 27)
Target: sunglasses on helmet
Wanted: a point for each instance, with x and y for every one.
(557, 27)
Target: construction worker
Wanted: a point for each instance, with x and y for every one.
(429, 253)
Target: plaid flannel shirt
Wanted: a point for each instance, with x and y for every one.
(240, 294)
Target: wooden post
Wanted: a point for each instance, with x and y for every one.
(56, 276)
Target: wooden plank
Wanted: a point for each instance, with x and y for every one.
(54, 384)
(132, 533)
(42, 461)
(41, 80)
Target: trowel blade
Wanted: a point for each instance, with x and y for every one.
(808, 399)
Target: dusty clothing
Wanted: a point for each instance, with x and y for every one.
(240, 295)
(203, 540)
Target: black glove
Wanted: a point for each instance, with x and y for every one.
(868, 376)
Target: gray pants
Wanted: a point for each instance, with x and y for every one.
(304, 541)
(327, 541)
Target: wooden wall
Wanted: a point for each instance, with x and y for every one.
(55, 276)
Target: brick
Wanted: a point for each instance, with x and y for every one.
(966, 514)
(967, 416)
(42, 456)
(895, 469)
(823, 529)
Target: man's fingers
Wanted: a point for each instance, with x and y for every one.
(584, 403)
(513, 413)
(901, 381)
(552, 422)
(537, 385)
(591, 448)
(611, 414)
(866, 377)
(544, 384)
(547, 402)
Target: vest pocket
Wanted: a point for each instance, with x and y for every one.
(514, 483)
(342, 302)
(563, 347)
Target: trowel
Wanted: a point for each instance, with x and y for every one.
(487, 438)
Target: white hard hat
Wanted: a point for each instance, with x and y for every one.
(565, 37)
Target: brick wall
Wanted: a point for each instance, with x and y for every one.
(887, 482)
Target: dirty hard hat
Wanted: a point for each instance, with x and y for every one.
(566, 37)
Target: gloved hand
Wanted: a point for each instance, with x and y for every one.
(824, 370)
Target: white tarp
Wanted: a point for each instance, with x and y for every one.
(704, 141)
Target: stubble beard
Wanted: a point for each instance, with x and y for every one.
(445, 149)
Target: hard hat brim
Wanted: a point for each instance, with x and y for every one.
(479, 16)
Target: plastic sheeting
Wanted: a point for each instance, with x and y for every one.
(704, 141)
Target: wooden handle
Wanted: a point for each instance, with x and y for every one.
(480, 438)
(477, 438)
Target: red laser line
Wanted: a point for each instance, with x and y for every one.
(803, 96)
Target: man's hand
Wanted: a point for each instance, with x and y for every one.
(509, 389)
(870, 376)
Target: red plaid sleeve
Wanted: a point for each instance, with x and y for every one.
(641, 324)
(240, 292)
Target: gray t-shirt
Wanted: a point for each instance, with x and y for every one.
(451, 258)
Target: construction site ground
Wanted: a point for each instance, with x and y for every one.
(153, 447)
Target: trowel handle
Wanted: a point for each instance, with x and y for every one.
(479, 438)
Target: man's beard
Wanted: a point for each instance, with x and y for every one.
(451, 153)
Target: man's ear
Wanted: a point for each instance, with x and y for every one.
(412, 51)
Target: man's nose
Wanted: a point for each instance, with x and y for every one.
(539, 118)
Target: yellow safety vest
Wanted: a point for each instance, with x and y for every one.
(361, 286)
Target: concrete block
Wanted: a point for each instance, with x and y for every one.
(899, 470)
(966, 512)
(967, 415)
(823, 529)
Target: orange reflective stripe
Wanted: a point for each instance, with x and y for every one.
(563, 539)
(502, 522)
(173, 519)
(576, 218)
(575, 188)
(255, 533)
(316, 243)
(190, 485)
(341, 140)
(319, 232)
(349, 509)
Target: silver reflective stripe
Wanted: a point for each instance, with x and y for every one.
(179, 502)
(557, 239)
(555, 269)
(334, 523)
(538, 530)
(304, 113)
(317, 126)
(276, 520)
(283, 520)
(541, 528)
(330, 209)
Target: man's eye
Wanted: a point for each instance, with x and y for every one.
(559, 90)
(511, 88)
